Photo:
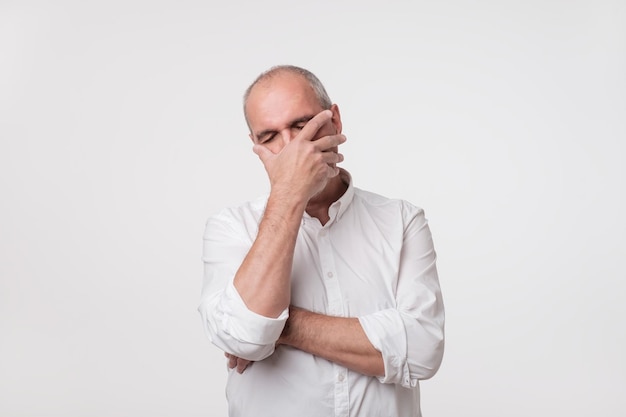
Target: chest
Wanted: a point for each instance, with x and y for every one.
(349, 268)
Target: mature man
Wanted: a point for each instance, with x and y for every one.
(324, 297)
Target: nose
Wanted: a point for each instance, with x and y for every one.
(287, 135)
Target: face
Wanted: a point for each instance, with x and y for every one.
(278, 108)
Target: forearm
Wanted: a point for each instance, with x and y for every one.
(337, 339)
(264, 278)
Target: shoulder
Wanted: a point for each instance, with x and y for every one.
(238, 218)
(375, 201)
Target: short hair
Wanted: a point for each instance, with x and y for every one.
(314, 82)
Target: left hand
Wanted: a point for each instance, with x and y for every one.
(237, 362)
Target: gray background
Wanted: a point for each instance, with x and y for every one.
(121, 132)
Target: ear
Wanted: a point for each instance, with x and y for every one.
(336, 119)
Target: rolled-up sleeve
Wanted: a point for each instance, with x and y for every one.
(410, 337)
(227, 321)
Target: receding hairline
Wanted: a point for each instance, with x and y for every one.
(314, 82)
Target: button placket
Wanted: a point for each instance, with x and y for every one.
(333, 291)
(342, 392)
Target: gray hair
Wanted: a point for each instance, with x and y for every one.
(314, 82)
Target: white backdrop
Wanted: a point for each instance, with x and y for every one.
(121, 131)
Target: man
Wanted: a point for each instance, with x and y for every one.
(324, 297)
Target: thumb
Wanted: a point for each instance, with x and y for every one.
(262, 152)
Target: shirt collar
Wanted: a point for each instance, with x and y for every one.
(339, 207)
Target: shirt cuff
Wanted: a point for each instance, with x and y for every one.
(385, 331)
(246, 325)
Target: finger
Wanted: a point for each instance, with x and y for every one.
(312, 126)
(328, 142)
(242, 364)
(262, 152)
(232, 361)
(332, 157)
(332, 171)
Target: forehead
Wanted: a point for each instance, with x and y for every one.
(274, 102)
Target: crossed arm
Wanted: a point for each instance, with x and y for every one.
(337, 339)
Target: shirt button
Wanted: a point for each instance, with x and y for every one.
(341, 377)
(329, 274)
(323, 233)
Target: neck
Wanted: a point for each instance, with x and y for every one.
(318, 205)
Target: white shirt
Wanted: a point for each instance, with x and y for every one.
(374, 259)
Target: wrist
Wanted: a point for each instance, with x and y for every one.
(288, 198)
(289, 334)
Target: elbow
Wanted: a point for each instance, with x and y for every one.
(428, 360)
(249, 351)
(237, 338)
(244, 349)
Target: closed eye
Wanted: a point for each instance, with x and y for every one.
(266, 137)
(300, 122)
